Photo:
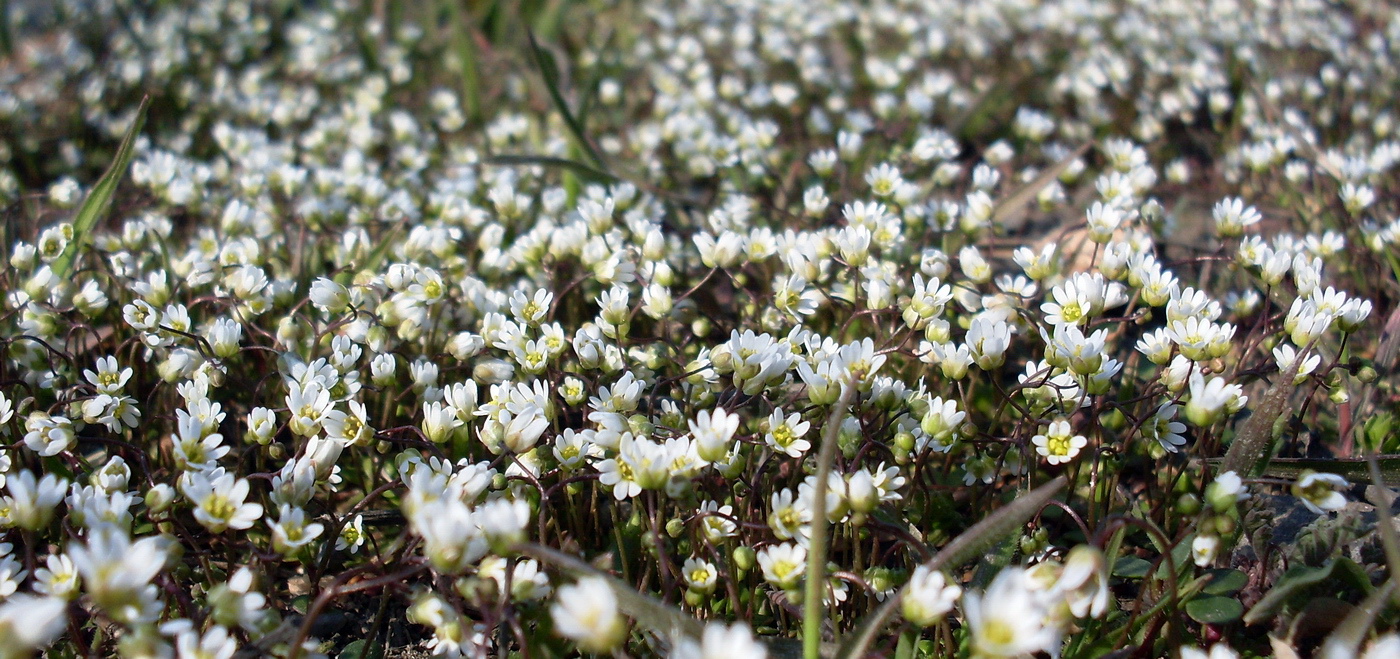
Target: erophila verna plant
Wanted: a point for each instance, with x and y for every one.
(699, 328)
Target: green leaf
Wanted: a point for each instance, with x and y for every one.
(589, 173)
(100, 197)
(1131, 567)
(550, 72)
(1299, 580)
(1225, 582)
(359, 648)
(464, 45)
(1378, 429)
(1214, 609)
(957, 553)
(374, 258)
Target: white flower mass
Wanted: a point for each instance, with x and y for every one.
(700, 328)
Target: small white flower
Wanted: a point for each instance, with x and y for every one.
(720, 641)
(1059, 444)
(928, 597)
(586, 613)
(1319, 491)
(783, 565)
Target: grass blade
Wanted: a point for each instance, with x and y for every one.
(584, 171)
(373, 259)
(100, 197)
(549, 70)
(1382, 497)
(962, 549)
(1026, 193)
(464, 45)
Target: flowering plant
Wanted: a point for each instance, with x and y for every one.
(695, 328)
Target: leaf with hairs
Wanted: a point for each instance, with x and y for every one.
(1248, 453)
(962, 549)
(100, 198)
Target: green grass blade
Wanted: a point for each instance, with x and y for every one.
(373, 259)
(962, 549)
(582, 170)
(549, 70)
(100, 197)
(1382, 497)
(464, 46)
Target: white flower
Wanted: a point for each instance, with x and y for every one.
(1285, 356)
(58, 578)
(699, 575)
(785, 434)
(48, 435)
(329, 296)
(716, 521)
(1058, 444)
(1319, 491)
(108, 379)
(219, 500)
(1232, 216)
(452, 538)
(713, 433)
(1084, 582)
(1204, 549)
(1220, 650)
(28, 623)
(213, 644)
(1210, 400)
(31, 500)
(586, 613)
(987, 341)
(720, 641)
(438, 422)
(928, 597)
(783, 565)
(1010, 619)
(1163, 427)
(117, 570)
(292, 532)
